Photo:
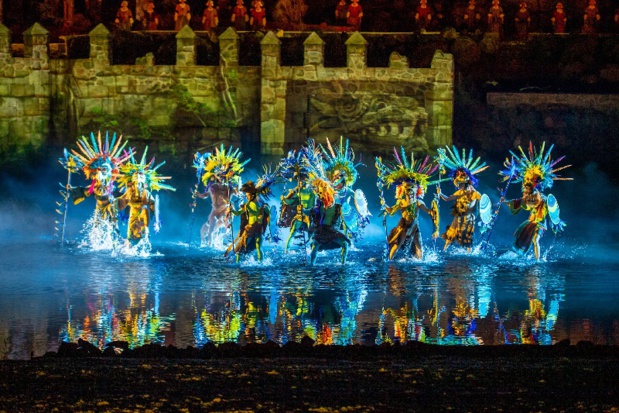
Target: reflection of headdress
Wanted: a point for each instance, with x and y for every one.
(460, 168)
(221, 166)
(535, 169)
(418, 171)
(153, 181)
(95, 154)
(339, 164)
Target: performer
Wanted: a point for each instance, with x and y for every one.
(150, 19)
(341, 9)
(423, 16)
(341, 171)
(255, 217)
(124, 17)
(472, 17)
(559, 19)
(462, 171)
(411, 180)
(139, 180)
(591, 18)
(210, 20)
(297, 204)
(239, 16)
(258, 17)
(326, 218)
(536, 172)
(100, 162)
(220, 172)
(182, 15)
(523, 22)
(496, 18)
(354, 14)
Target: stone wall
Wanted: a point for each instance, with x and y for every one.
(43, 98)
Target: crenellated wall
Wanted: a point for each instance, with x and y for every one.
(273, 105)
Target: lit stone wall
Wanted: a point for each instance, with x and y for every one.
(274, 105)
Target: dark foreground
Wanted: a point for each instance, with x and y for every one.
(306, 378)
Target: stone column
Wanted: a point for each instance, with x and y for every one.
(272, 99)
(100, 50)
(229, 46)
(5, 43)
(35, 46)
(314, 52)
(439, 101)
(356, 51)
(186, 47)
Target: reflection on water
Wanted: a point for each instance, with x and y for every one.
(188, 297)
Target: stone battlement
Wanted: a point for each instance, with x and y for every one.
(273, 105)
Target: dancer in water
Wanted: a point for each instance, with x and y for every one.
(536, 170)
(462, 171)
(100, 161)
(326, 219)
(411, 180)
(220, 172)
(298, 202)
(255, 217)
(138, 180)
(340, 169)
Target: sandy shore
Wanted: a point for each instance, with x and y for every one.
(307, 378)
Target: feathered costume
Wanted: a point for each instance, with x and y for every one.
(340, 170)
(138, 180)
(536, 170)
(411, 179)
(220, 172)
(462, 170)
(326, 219)
(255, 215)
(101, 162)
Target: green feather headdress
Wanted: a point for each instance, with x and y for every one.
(413, 171)
(339, 165)
(153, 180)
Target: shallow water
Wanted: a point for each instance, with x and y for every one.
(183, 295)
(186, 296)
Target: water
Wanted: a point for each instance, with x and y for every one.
(182, 295)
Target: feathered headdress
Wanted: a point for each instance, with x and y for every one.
(535, 169)
(416, 172)
(339, 165)
(94, 154)
(153, 180)
(302, 164)
(220, 166)
(460, 168)
(263, 184)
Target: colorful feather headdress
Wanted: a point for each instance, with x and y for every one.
(535, 169)
(302, 164)
(415, 171)
(153, 180)
(96, 153)
(263, 184)
(339, 165)
(220, 166)
(451, 159)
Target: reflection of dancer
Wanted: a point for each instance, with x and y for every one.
(220, 173)
(326, 218)
(462, 171)
(139, 180)
(411, 180)
(536, 172)
(101, 163)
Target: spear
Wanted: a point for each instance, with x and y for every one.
(198, 162)
(512, 172)
(71, 164)
(380, 183)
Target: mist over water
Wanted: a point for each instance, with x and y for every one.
(181, 294)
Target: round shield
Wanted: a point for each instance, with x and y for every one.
(485, 209)
(553, 209)
(361, 203)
